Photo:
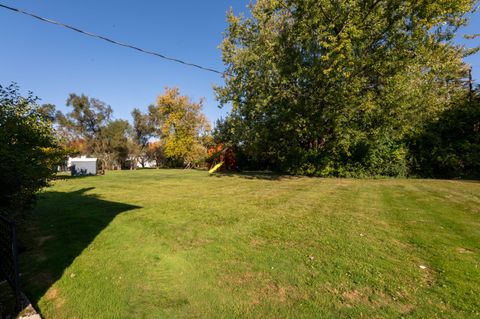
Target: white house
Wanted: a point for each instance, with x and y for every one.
(82, 165)
(146, 164)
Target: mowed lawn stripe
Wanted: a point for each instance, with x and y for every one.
(180, 243)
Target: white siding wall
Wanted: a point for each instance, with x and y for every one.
(88, 167)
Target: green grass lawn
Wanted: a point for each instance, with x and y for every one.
(179, 243)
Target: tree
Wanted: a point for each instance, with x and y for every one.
(449, 146)
(116, 148)
(182, 127)
(155, 152)
(337, 87)
(47, 111)
(28, 150)
(143, 128)
(87, 121)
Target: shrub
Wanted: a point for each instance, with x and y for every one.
(29, 153)
(450, 146)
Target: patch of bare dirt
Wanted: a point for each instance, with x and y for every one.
(257, 242)
(242, 278)
(464, 250)
(406, 308)
(260, 289)
(268, 293)
(355, 296)
(53, 295)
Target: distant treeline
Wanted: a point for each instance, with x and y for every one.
(172, 133)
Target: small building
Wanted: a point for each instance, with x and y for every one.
(82, 165)
(145, 163)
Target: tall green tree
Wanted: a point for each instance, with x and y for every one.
(116, 136)
(29, 151)
(336, 87)
(87, 121)
(143, 129)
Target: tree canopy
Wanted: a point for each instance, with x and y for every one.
(449, 147)
(29, 151)
(87, 122)
(142, 130)
(338, 87)
(182, 127)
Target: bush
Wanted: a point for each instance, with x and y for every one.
(450, 146)
(29, 153)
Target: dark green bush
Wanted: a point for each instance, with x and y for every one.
(28, 151)
(450, 146)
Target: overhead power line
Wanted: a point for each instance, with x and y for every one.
(110, 40)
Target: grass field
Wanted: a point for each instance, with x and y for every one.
(182, 244)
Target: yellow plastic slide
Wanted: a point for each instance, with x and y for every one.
(214, 169)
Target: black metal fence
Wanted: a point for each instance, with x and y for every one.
(9, 257)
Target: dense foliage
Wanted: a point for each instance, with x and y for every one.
(28, 150)
(450, 145)
(141, 132)
(338, 88)
(86, 126)
(182, 128)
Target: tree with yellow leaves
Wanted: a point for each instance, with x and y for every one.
(182, 127)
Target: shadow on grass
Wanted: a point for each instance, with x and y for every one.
(264, 175)
(62, 225)
(473, 181)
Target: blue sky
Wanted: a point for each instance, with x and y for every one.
(53, 62)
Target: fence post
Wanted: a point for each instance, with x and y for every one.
(16, 279)
(9, 262)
